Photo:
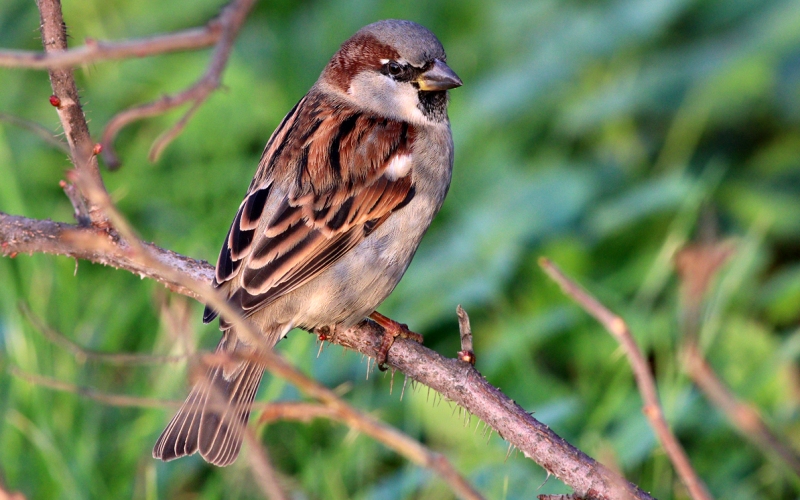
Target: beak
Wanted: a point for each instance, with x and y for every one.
(438, 77)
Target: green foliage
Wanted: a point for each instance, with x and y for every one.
(595, 133)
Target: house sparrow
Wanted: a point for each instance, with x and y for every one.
(347, 186)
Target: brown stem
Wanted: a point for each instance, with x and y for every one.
(618, 329)
(97, 50)
(81, 146)
(697, 265)
(466, 354)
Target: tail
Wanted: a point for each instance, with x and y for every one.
(213, 417)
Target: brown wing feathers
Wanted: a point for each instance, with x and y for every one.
(316, 223)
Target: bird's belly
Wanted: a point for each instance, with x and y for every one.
(353, 287)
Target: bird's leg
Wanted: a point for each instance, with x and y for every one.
(391, 330)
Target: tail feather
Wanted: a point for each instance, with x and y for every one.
(221, 432)
(214, 415)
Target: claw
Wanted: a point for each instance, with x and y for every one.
(391, 330)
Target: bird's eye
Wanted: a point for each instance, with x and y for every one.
(394, 68)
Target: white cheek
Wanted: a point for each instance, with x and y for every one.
(407, 101)
(398, 167)
(386, 97)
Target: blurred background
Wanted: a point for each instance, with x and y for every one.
(604, 134)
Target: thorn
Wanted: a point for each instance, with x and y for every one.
(321, 345)
(508, 452)
(405, 379)
(391, 382)
(429, 395)
(545, 479)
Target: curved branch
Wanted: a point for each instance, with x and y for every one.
(455, 380)
(231, 19)
(23, 235)
(96, 50)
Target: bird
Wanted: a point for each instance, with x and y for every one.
(346, 187)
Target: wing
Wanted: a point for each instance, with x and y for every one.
(328, 178)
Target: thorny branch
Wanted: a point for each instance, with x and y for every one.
(455, 380)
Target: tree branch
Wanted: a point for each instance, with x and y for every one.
(455, 380)
(65, 99)
(95, 51)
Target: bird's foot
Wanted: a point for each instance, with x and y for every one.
(391, 330)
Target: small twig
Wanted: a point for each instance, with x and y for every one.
(42, 132)
(167, 137)
(617, 327)
(231, 19)
(296, 411)
(466, 354)
(97, 50)
(125, 401)
(697, 265)
(65, 99)
(572, 496)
